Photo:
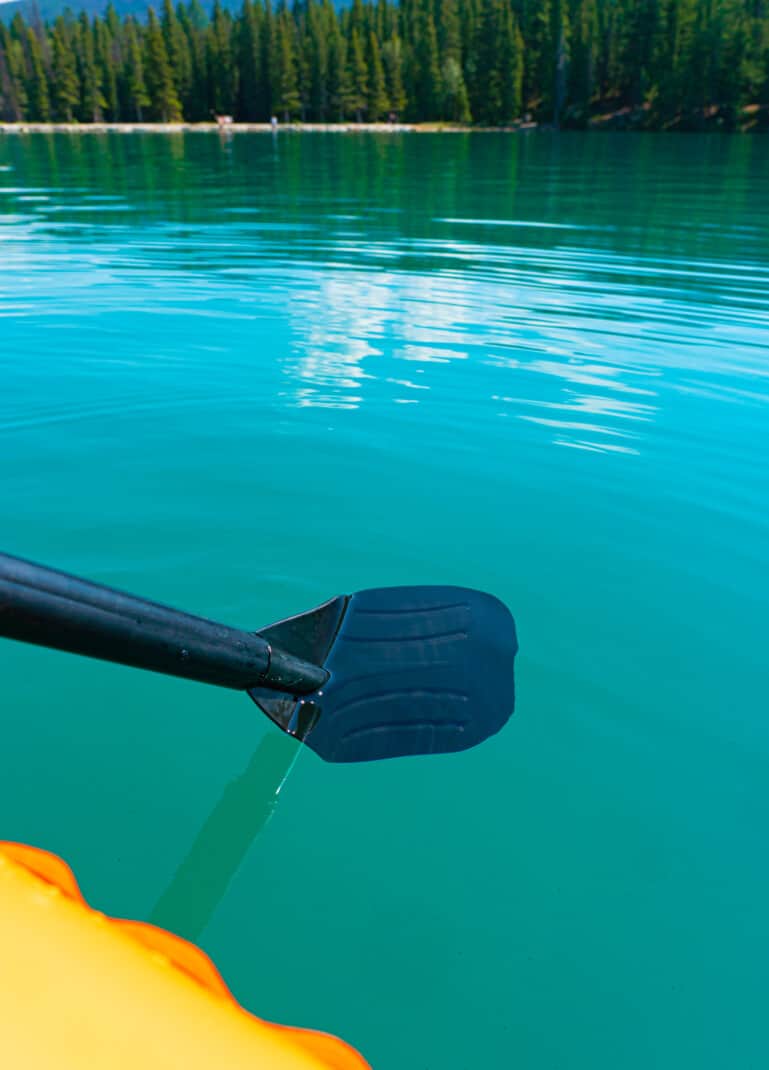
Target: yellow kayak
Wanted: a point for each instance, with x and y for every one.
(80, 991)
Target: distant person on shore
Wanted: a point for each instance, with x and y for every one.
(274, 122)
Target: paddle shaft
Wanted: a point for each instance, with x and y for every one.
(40, 605)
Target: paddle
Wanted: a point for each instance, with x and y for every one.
(378, 674)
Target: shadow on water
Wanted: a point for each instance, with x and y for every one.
(240, 816)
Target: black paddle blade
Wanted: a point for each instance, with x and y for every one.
(414, 670)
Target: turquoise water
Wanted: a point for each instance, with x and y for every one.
(241, 376)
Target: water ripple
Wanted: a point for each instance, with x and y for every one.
(241, 376)
(562, 319)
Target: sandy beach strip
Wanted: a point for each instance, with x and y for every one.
(253, 128)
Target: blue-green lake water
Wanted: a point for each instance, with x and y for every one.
(241, 376)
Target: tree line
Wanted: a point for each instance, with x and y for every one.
(657, 63)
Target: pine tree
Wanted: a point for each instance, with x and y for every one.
(249, 63)
(193, 22)
(561, 33)
(178, 51)
(730, 90)
(107, 69)
(427, 87)
(756, 60)
(16, 62)
(539, 59)
(584, 48)
(319, 30)
(449, 31)
(455, 105)
(469, 21)
(92, 100)
(269, 44)
(358, 76)
(358, 20)
(13, 94)
(510, 51)
(115, 49)
(487, 102)
(338, 75)
(673, 47)
(18, 29)
(221, 68)
(286, 87)
(38, 98)
(9, 110)
(137, 97)
(159, 79)
(609, 62)
(392, 60)
(66, 89)
(378, 104)
(197, 15)
(114, 26)
(303, 53)
(637, 32)
(554, 59)
(383, 22)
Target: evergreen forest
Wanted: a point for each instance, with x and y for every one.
(653, 64)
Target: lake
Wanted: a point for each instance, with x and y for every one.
(242, 375)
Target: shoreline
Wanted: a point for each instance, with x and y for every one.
(754, 121)
(257, 128)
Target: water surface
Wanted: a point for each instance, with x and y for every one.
(243, 375)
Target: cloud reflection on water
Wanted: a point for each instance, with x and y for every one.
(526, 340)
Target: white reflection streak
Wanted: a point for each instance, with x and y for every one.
(407, 383)
(603, 375)
(589, 403)
(337, 325)
(436, 318)
(595, 447)
(439, 318)
(511, 223)
(429, 355)
(577, 425)
(334, 329)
